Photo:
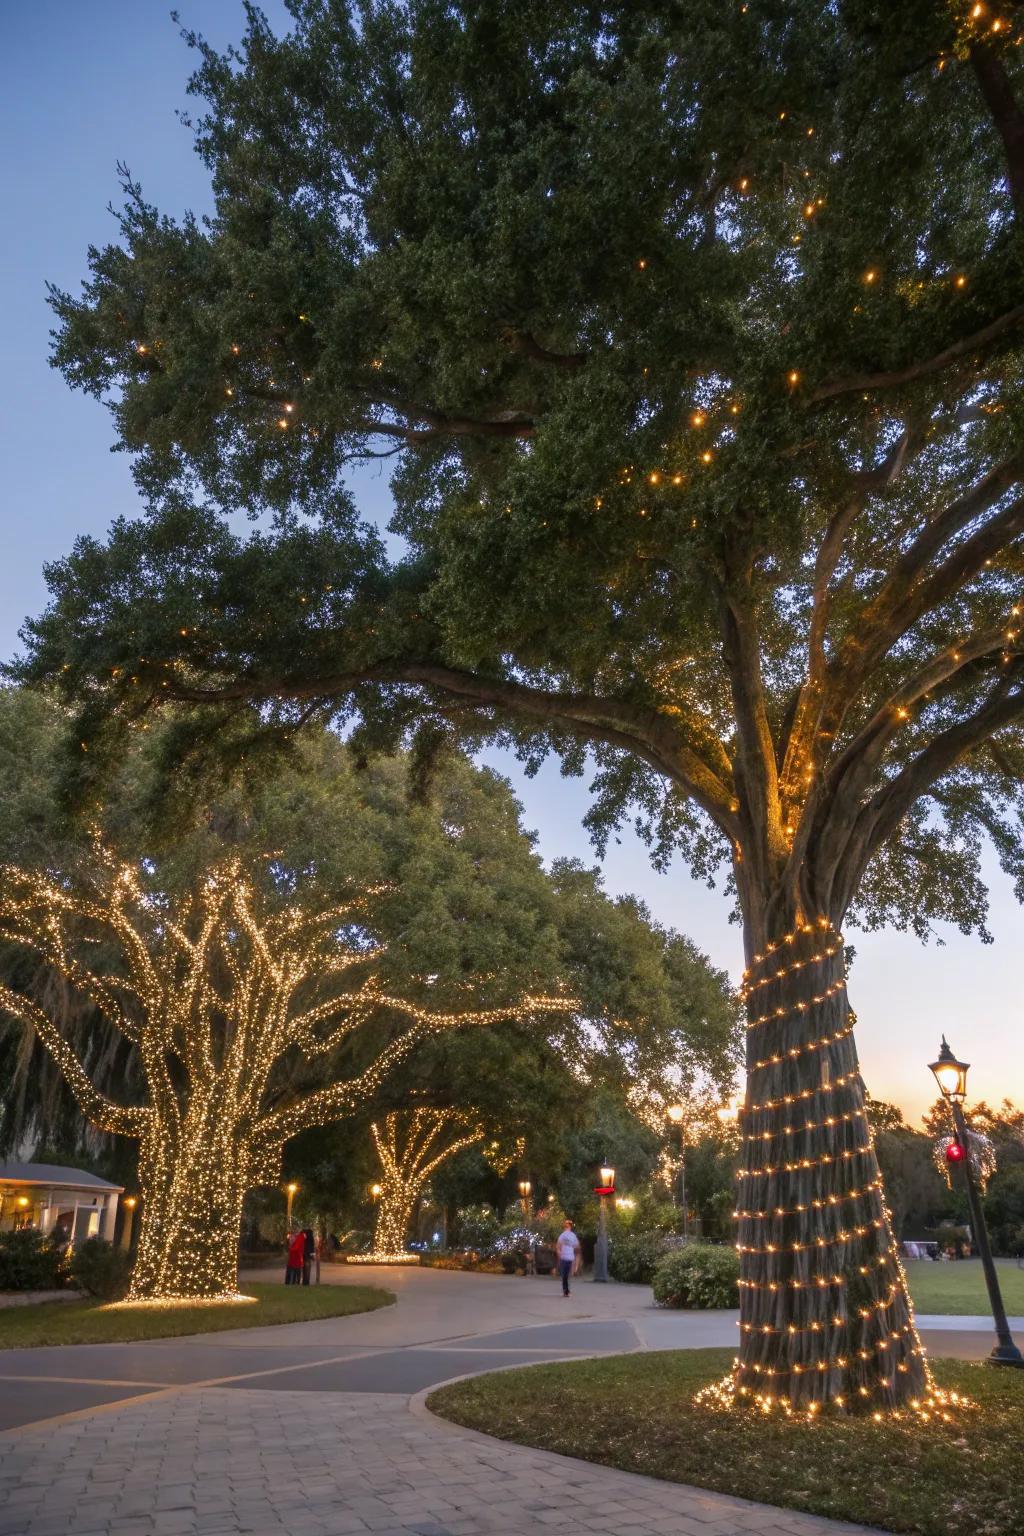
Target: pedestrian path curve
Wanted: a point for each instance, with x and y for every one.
(319, 1428)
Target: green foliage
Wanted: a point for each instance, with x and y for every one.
(609, 1132)
(916, 1193)
(462, 899)
(31, 1262)
(1004, 1210)
(100, 1269)
(711, 1165)
(636, 350)
(634, 1256)
(475, 1226)
(698, 1275)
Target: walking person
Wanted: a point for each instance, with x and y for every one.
(308, 1253)
(296, 1249)
(568, 1250)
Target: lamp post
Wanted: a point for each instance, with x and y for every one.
(129, 1221)
(676, 1114)
(951, 1076)
(290, 1191)
(604, 1192)
(524, 1198)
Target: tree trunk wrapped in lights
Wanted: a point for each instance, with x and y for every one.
(215, 990)
(412, 1145)
(825, 1314)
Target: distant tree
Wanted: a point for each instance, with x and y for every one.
(915, 1191)
(711, 1165)
(411, 1146)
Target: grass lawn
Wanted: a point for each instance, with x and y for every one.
(92, 1322)
(959, 1288)
(636, 1412)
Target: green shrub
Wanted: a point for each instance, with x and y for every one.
(101, 1269)
(633, 1256)
(475, 1226)
(30, 1262)
(698, 1275)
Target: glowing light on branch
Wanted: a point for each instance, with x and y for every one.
(226, 985)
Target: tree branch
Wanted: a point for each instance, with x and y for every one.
(95, 1106)
(328, 1103)
(997, 91)
(936, 364)
(756, 760)
(903, 598)
(525, 344)
(642, 731)
(885, 810)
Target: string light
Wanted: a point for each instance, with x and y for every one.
(787, 970)
(817, 1204)
(801, 1050)
(804, 1093)
(229, 987)
(804, 1162)
(776, 1014)
(843, 1236)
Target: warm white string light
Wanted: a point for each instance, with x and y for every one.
(227, 987)
(411, 1146)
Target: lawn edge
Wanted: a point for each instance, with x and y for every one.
(713, 1497)
(207, 1332)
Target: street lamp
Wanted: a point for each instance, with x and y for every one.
(375, 1192)
(951, 1076)
(290, 1190)
(524, 1197)
(604, 1192)
(676, 1114)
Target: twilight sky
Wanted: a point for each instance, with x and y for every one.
(82, 87)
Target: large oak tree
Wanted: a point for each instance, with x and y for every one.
(694, 334)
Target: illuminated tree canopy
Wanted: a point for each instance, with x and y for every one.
(694, 333)
(462, 896)
(305, 947)
(215, 993)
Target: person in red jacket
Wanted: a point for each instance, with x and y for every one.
(296, 1253)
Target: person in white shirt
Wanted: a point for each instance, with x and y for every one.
(568, 1249)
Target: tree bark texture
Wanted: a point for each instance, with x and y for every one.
(825, 1317)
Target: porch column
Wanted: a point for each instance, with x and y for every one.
(109, 1219)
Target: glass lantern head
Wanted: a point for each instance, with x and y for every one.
(950, 1074)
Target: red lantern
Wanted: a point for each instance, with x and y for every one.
(955, 1152)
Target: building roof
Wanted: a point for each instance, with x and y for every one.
(51, 1173)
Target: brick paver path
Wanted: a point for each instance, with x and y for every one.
(318, 1429)
(218, 1461)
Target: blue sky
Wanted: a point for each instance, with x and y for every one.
(84, 86)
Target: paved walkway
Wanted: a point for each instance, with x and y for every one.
(318, 1429)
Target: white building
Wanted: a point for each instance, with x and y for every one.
(68, 1202)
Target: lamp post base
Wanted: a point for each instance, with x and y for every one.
(1006, 1354)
